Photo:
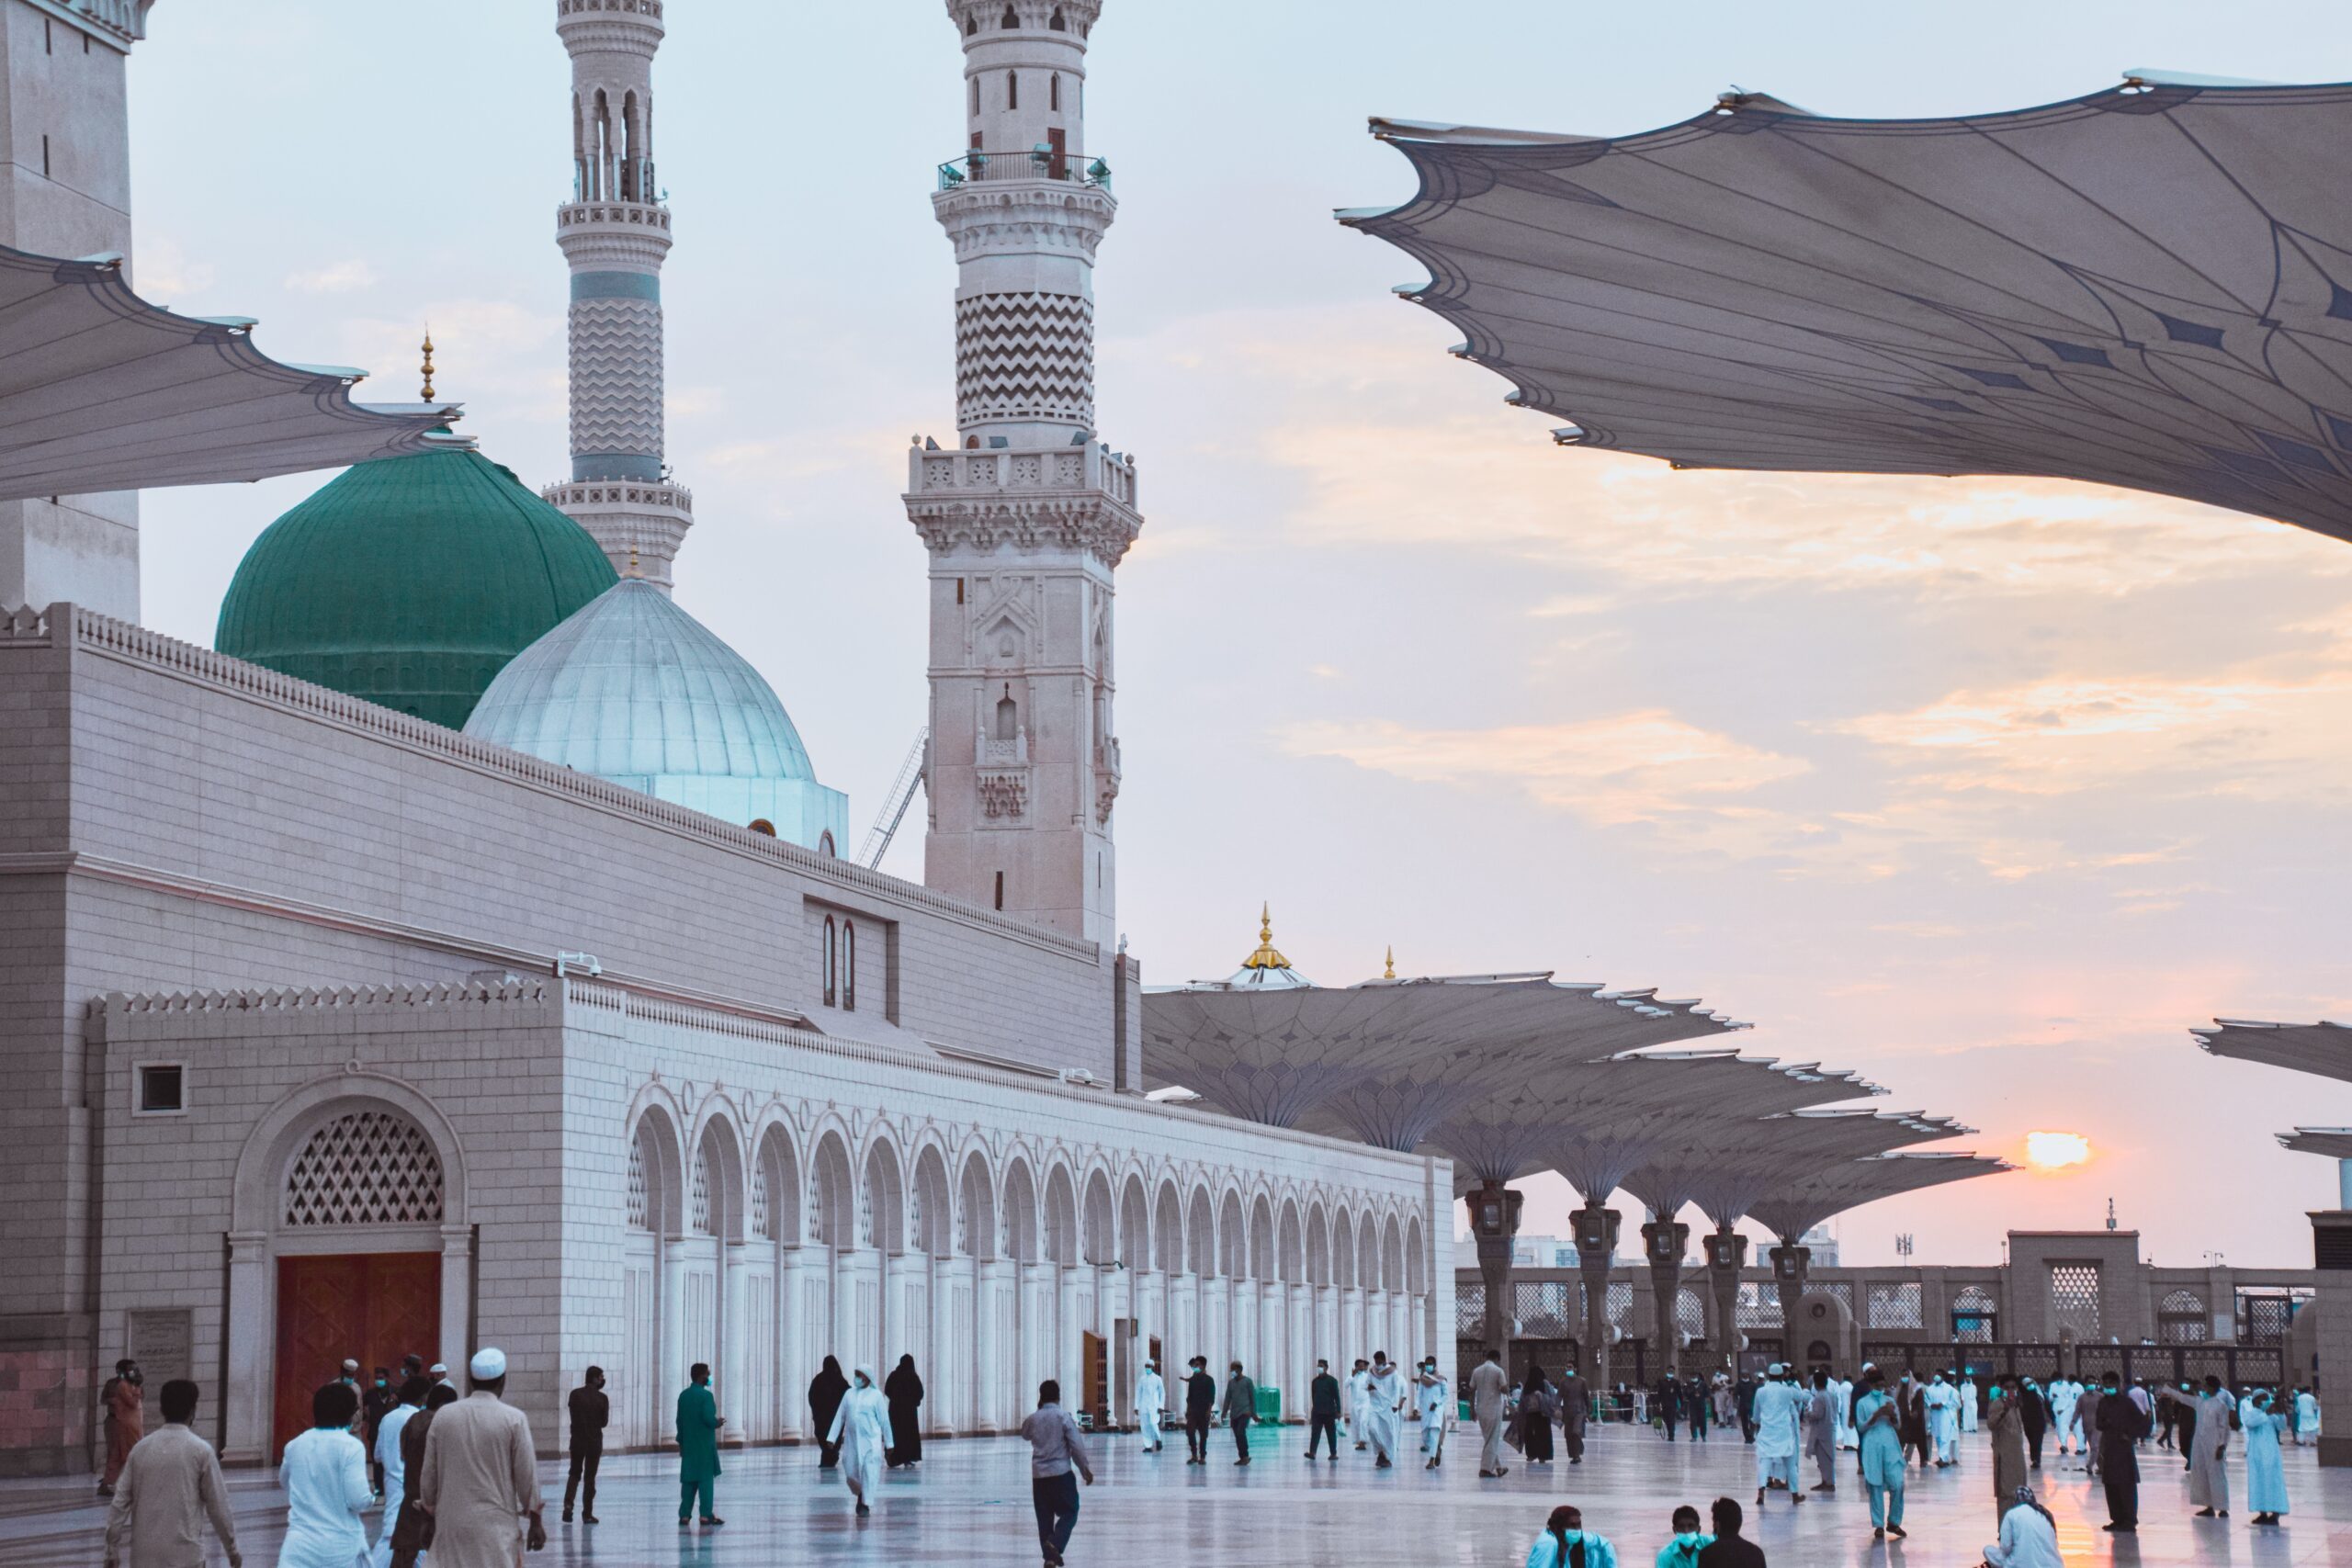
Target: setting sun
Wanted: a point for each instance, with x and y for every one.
(2056, 1151)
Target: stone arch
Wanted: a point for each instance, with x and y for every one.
(1417, 1278)
(1168, 1231)
(1289, 1247)
(657, 1174)
(1392, 1256)
(1019, 1211)
(1233, 1243)
(934, 1215)
(1200, 1235)
(1343, 1251)
(715, 1182)
(882, 1200)
(1368, 1275)
(1061, 1216)
(1097, 1238)
(1319, 1245)
(1261, 1238)
(1135, 1225)
(975, 1209)
(773, 1210)
(833, 1194)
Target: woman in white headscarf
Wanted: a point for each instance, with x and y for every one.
(862, 1427)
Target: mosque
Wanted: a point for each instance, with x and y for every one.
(463, 951)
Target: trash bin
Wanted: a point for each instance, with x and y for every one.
(1270, 1406)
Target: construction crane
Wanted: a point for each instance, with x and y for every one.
(895, 804)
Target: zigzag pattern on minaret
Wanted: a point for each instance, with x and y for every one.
(1024, 356)
(616, 376)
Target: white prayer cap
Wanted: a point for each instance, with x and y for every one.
(489, 1363)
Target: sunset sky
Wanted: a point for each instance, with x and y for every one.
(1988, 789)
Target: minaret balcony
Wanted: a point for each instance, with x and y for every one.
(1039, 164)
(981, 471)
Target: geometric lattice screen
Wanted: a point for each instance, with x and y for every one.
(1469, 1311)
(1895, 1305)
(365, 1168)
(1759, 1307)
(1690, 1313)
(1545, 1309)
(1974, 1317)
(2074, 1298)
(760, 1199)
(641, 1203)
(700, 1190)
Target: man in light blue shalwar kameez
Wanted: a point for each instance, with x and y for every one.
(2266, 1472)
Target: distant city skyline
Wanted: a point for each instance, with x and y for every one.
(1987, 789)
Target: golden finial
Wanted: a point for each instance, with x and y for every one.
(429, 364)
(632, 561)
(1391, 975)
(1265, 957)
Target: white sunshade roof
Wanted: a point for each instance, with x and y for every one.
(100, 390)
(2324, 1048)
(1790, 1209)
(2148, 287)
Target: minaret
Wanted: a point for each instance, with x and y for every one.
(1027, 514)
(615, 230)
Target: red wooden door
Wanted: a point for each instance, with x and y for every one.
(1058, 165)
(374, 1307)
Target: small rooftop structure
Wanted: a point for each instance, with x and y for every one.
(100, 390)
(2148, 285)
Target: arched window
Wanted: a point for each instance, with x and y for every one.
(971, 24)
(1056, 22)
(1007, 717)
(1011, 19)
(833, 962)
(365, 1168)
(975, 96)
(1013, 89)
(849, 966)
(1054, 90)
(763, 827)
(825, 844)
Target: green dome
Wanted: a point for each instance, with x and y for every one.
(410, 582)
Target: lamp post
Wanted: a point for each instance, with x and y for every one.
(1494, 1221)
(1726, 1254)
(1664, 1241)
(1596, 1238)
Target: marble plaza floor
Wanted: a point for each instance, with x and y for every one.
(968, 1506)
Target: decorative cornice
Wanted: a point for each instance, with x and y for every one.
(125, 643)
(1087, 521)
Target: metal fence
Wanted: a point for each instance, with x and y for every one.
(1036, 164)
(2238, 1366)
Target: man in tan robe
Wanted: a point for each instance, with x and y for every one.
(481, 1475)
(1489, 1385)
(169, 1488)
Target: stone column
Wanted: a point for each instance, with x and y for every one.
(251, 1331)
(457, 1294)
(1726, 1254)
(1494, 1221)
(1791, 1267)
(794, 1369)
(1596, 1238)
(2332, 1256)
(734, 1351)
(1662, 1242)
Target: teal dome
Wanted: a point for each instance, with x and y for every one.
(634, 690)
(410, 582)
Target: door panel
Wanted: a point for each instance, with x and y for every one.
(372, 1307)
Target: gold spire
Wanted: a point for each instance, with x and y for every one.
(427, 396)
(1265, 957)
(1391, 975)
(632, 562)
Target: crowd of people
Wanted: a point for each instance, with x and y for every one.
(458, 1481)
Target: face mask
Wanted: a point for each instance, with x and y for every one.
(1572, 1537)
(1687, 1539)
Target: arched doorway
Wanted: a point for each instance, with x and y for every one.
(349, 1240)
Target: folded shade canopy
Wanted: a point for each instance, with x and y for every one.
(2148, 287)
(100, 390)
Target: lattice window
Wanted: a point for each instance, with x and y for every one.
(1690, 1313)
(865, 1213)
(1542, 1308)
(1895, 1305)
(1842, 1289)
(2074, 1298)
(640, 1202)
(1759, 1304)
(2263, 1320)
(365, 1168)
(1469, 1311)
(1621, 1302)
(760, 1199)
(701, 1193)
(2180, 1319)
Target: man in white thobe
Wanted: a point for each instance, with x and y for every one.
(1434, 1403)
(481, 1476)
(2209, 1446)
(1489, 1387)
(395, 1472)
(1943, 1422)
(1778, 1410)
(1151, 1398)
(2306, 1418)
(1384, 1404)
(1968, 1404)
(1359, 1400)
(1841, 1392)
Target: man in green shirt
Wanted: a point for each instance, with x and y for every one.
(699, 1425)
